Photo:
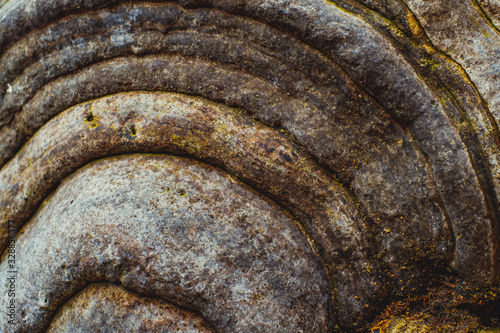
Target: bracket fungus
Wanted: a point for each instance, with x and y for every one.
(247, 166)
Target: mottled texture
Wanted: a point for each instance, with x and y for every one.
(463, 33)
(104, 307)
(258, 155)
(324, 110)
(374, 123)
(171, 227)
(492, 11)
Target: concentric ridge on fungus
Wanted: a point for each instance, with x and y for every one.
(132, 226)
(360, 143)
(144, 314)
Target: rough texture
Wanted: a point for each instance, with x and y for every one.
(374, 123)
(260, 156)
(463, 33)
(276, 92)
(170, 227)
(103, 307)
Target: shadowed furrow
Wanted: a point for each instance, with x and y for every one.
(259, 156)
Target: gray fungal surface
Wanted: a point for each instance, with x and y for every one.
(108, 307)
(171, 227)
(370, 127)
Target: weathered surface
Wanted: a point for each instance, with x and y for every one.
(374, 123)
(324, 110)
(173, 123)
(492, 11)
(175, 229)
(103, 307)
(463, 33)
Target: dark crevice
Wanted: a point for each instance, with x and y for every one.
(292, 139)
(298, 216)
(243, 15)
(485, 16)
(3, 4)
(234, 67)
(130, 53)
(66, 41)
(89, 118)
(346, 186)
(439, 200)
(108, 4)
(483, 174)
(367, 94)
(206, 6)
(276, 126)
(454, 112)
(468, 82)
(373, 227)
(468, 137)
(44, 21)
(424, 75)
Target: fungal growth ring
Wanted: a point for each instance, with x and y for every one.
(248, 166)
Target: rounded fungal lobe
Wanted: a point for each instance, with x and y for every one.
(374, 124)
(112, 308)
(171, 228)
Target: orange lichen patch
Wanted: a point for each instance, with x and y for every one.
(415, 26)
(448, 308)
(381, 325)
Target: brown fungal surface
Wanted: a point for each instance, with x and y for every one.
(107, 307)
(176, 229)
(179, 124)
(373, 123)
